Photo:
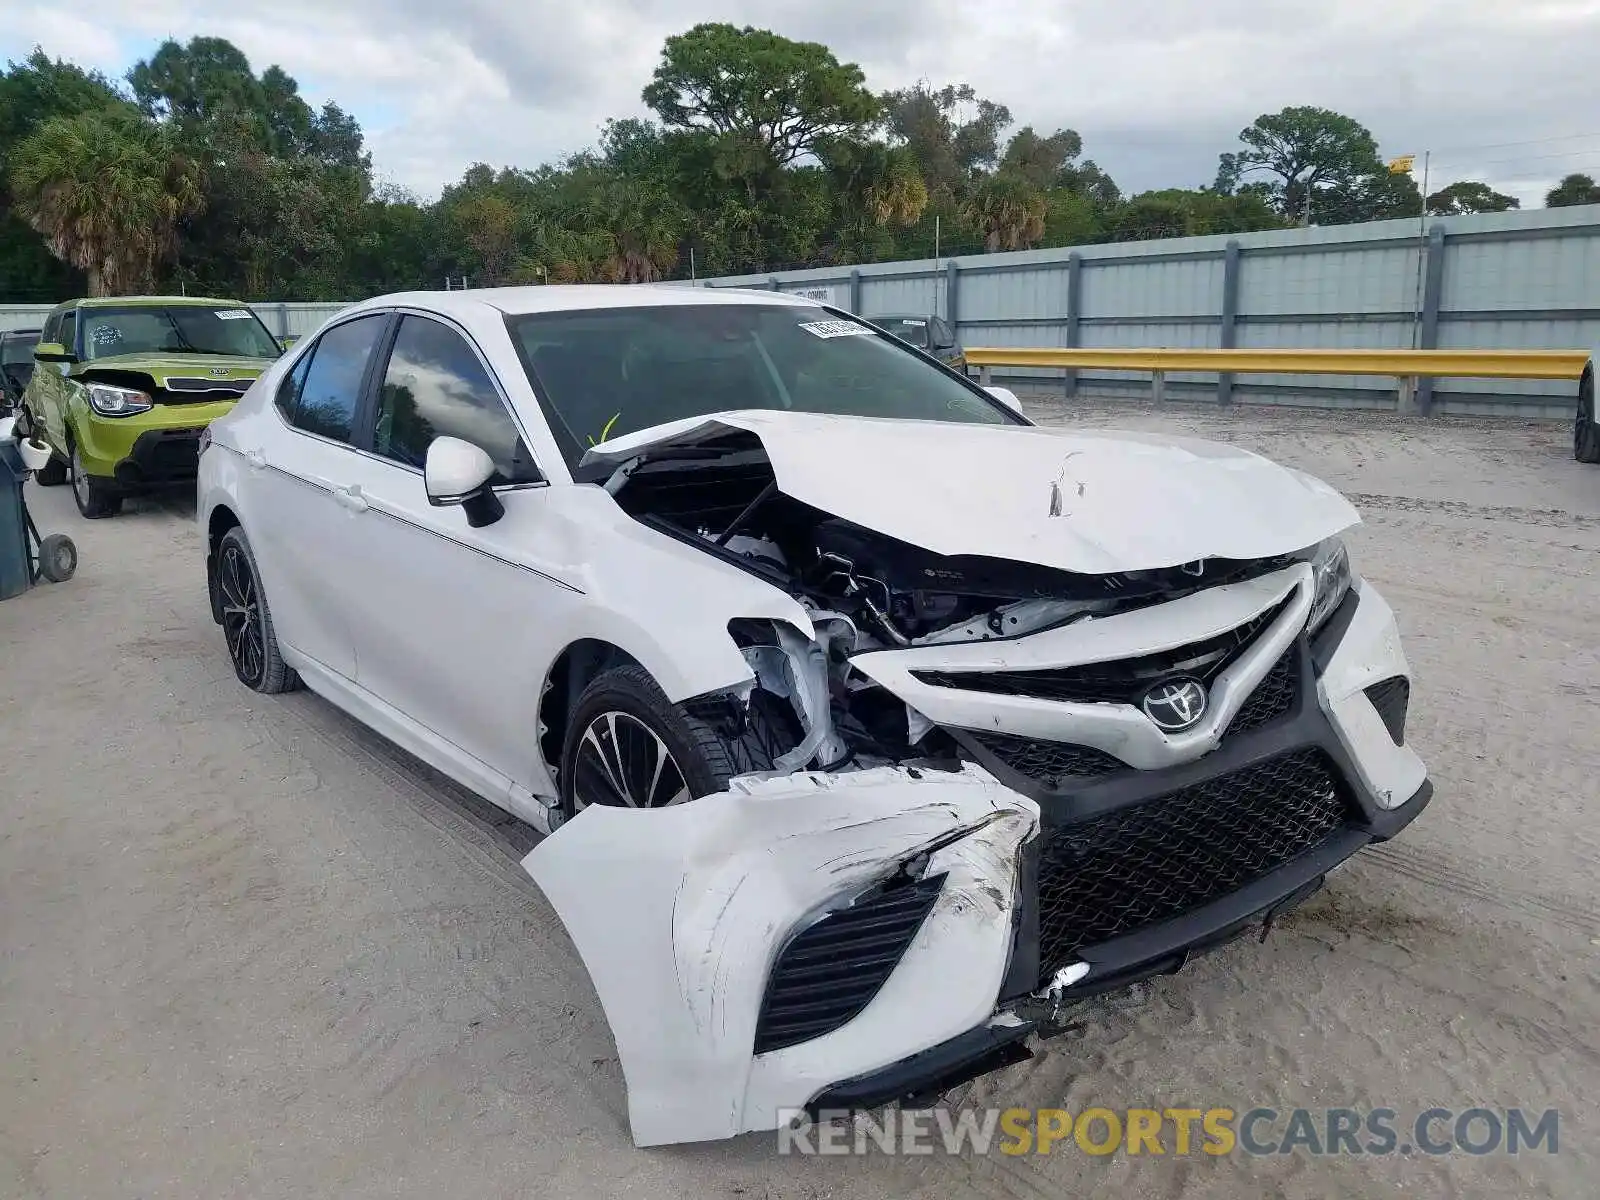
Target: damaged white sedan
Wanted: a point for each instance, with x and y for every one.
(871, 724)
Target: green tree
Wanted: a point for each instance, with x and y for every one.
(1040, 160)
(780, 95)
(953, 133)
(31, 92)
(1304, 151)
(1574, 189)
(1008, 211)
(107, 190)
(1182, 212)
(1469, 196)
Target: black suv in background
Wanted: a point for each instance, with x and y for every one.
(16, 365)
(930, 334)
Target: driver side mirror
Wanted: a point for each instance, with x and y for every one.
(458, 473)
(1007, 397)
(53, 352)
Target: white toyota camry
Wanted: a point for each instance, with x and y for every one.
(871, 724)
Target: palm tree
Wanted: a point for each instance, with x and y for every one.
(1009, 212)
(107, 190)
(642, 224)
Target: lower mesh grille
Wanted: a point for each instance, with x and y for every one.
(1051, 763)
(1274, 696)
(1136, 866)
(1392, 697)
(829, 972)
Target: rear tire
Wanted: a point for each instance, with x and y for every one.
(1585, 433)
(94, 497)
(627, 745)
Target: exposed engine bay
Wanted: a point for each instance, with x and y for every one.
(866, 591)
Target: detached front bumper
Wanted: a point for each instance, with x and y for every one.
(841, 941)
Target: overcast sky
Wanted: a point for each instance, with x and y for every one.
(1503, 90)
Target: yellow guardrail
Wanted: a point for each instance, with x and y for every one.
(1456, 364)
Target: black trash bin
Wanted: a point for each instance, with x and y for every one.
(25, 557)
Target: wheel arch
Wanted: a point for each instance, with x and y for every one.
(577, 666)
(221, 519)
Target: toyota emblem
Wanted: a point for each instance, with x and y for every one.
(1175, 705)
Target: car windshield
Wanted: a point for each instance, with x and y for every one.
(174, 329)
(606, 372)
(17, 348)
(907, 329)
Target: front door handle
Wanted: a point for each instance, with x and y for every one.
(352, 498)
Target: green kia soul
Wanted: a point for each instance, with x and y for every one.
(123, 387)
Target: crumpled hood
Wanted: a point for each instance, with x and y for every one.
(1089, 501)
(161, 367)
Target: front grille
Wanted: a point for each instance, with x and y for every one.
(830, 971)
(1123, 681)
(1392, 697)
(1128, 869)
(1051, 763)
(232, 387)
(1274, 696)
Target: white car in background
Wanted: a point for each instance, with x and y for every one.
(871, 724)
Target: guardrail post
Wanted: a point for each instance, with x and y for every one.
(1432, 294)
(772, 283)
(1228, 322)
(1069, 383)
(985, 375)
(855, 290)
(283, 319)
(1158, 387)
(1405, 402)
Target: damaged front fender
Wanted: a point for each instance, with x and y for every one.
(679, 914)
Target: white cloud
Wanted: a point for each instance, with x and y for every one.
(1157, 87)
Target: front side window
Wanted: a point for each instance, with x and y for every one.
(288, 396)
(332, 389)
(17, 350)
(602, 373)
(436, 386)
(175, 329)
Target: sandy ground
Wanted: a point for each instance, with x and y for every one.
(252, 950)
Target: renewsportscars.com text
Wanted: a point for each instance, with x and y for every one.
(1176, 1131)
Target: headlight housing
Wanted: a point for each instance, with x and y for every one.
(109, 400)
(1330, 568)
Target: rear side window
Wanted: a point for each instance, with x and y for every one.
(331, 388)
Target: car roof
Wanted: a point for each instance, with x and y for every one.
(575, 297)
(153, 301)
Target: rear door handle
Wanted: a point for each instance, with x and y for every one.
(352, 498)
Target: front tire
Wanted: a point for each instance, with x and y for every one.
(628, 746)
(247, 621)
(1585, 433)
(94, 498)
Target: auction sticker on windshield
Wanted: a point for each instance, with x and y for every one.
(233, 314)
(833, 329)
